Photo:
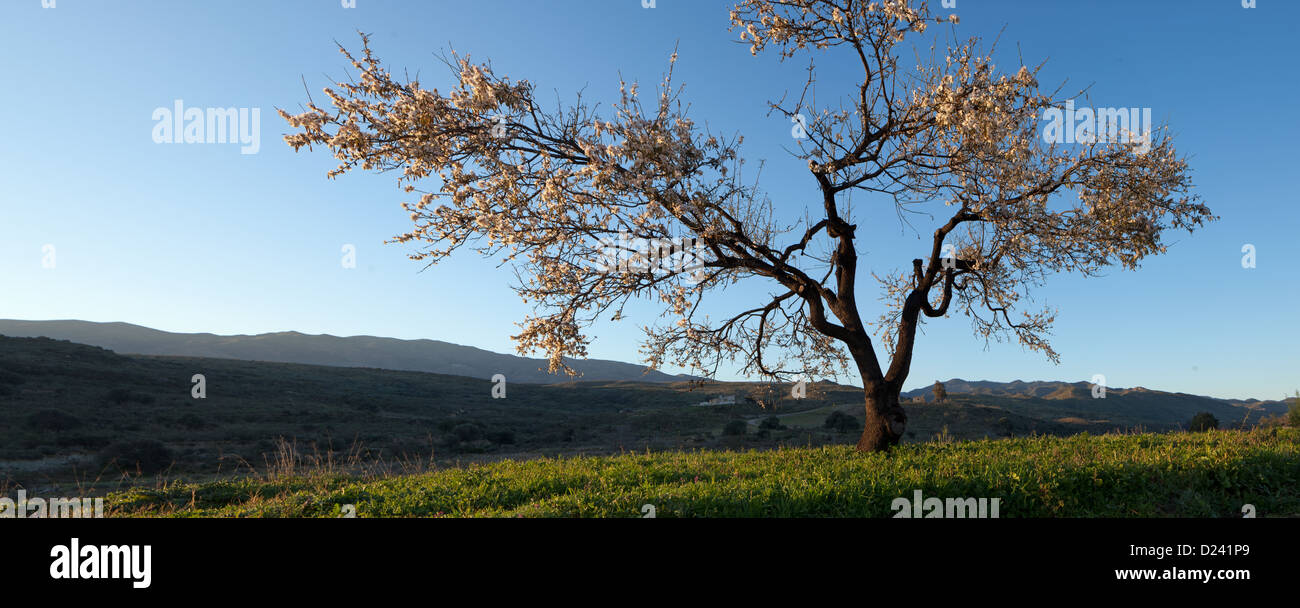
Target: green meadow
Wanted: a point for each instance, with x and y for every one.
(1207, 474)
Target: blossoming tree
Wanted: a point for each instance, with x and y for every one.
(550, 191)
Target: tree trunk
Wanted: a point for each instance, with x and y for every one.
(885, 420)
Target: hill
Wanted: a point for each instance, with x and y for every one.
(66, 407)
(73, 413)
(1073, 403)
(431, 356)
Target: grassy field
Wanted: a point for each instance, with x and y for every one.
(1208, 474)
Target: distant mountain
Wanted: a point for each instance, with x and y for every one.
(1015, 388)
(1046, 400)
(356, 351)
(1073, 401)
(1046, 390)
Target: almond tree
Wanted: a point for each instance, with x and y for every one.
(593, 210)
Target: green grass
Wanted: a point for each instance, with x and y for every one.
(1150, 475)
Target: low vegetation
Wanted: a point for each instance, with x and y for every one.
(1210, 474)
(1203, 421)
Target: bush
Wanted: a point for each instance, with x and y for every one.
(467, 432)
(772, 423)
(478, 446)
(122, 396)
(82, 440)
(192, 421)
(146, 455)
(1293, 411)
(840, 422)
(735, 427)
(940, 393)
(502, 437)
(1204, 421)
(53, 420)
(118, 396)
(361, 403)
(8, 377)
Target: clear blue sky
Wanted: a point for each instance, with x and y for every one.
(200, 238)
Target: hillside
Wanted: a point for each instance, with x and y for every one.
(431, 356)
(63, 406)
(68, 410)
(1073, 403)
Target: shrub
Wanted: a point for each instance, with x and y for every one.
(361, 403)
(840, 422)
(53, 420)
(122, 396)
(1293, 411)
(735, 427)
(82, 440)
(1204, 421)
(191, 421)
(118, 396)
(467, 432)
(502, 437)
(146, 455)
(772, 423)
(478, 446)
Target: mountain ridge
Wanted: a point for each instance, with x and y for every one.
(1053, 389)
(421, 355)
(442, 357)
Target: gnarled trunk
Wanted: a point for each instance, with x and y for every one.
(885, 420)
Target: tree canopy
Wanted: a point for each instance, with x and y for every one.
(551, 191)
